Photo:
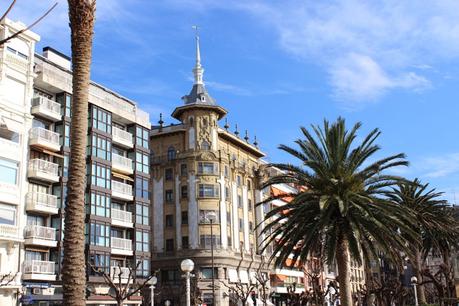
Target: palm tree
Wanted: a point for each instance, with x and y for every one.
(342, 206)
(82, 16)
(435, 224)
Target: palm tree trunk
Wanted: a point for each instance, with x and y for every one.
(81, 15)
(344, 271)
(418, 272)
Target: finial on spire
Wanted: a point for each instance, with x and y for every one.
(255, 142)
(226, 126)
(236, 132)
(246, 136)
(198, 71)
(161, 122)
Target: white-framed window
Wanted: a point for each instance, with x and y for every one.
(8, 171)
(207, 168)
(7, 214)
(208, 191)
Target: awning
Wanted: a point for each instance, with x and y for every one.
(244, 277)
(232, 276)
(122, 176)
(48, 152)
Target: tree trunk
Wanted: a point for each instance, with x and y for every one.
(81, 15)
(344, 271)
(418, 272)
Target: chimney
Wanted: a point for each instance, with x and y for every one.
(57, 57)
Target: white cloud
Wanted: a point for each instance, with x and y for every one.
(441, 166)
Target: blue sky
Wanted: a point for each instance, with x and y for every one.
(278, 65)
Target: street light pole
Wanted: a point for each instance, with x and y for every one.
(153, 282)
(187, 266)
(212, 256)
(414, 281)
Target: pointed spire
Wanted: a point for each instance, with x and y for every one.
(226, 126)
(236, 132)
(198, 71)
(255, 142)
(246, 137)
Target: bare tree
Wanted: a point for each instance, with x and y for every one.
(6, 279)
(120, 284)
(8, 10)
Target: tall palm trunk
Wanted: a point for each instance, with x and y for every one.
(81, 15)
(344, 271)
(418, 272)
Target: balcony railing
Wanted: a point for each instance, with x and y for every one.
(44, 135)
(44, 200)
(46, 107)
(40, 232)
(115, 273)
(121, 215)
(39, 267)
(40, 165)
(9, 231)
(122, 162)
(122, 188)
(121, 244)
(122, 137)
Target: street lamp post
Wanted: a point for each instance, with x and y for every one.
(414, 282)
(153, 282)
(187, 266)
(211, 216)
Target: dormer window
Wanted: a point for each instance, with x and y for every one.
(203, 98)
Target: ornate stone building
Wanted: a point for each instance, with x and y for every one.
(202, 172)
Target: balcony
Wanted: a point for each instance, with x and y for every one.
(9, 232)
(122, 191)
(122, 164)
(43, 138)
(46, 108)
(115, 274)
(40, 235)
(122, 138)
(39, 270)
(122, 218)
(42, 203)
(43, 170)
(121, 246)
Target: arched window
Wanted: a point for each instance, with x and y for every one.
(171, 153)
(191, 121)
(205, 145)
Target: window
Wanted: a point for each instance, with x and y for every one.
(185, 242)
(9, 135)
(141, 214)
(64, 134)
(65, 167)
(141, 136)
(250, 226)
(205, 145)
(250, 205)
(183, 169)
(18, 53)
(204, 216)
(141, 162)
(141, 188)
(169, 196)
(99, 204)
(143, 269)
(206, 241)
(184, 217)
(99, 234)
(65, 100)
(7, 214)
(207, 168)
(239, 201)
(206, 273)
(169, 245)
(171, 276)
(169, 220)
(241, 224)
(100, 147)
(227, 193)
(228, 217)
(238, 180)
(184, 192)
(101, 262)
(168, 174)
(142, 241)
(101, 120)
(8, 172)
(171, 153)
(226, 171)
(100, 175)
(208, 191)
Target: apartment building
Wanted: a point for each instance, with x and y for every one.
(16, 90)
(118, 174)
(202, 172)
